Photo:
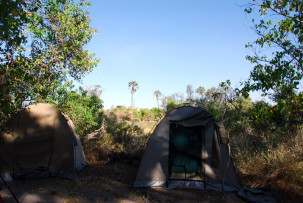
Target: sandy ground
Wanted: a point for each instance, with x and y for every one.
(105, 182)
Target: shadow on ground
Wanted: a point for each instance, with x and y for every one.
(105, 182)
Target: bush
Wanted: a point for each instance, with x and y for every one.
(119, 137)
(123, 136)
(156, 114)
(83, 109)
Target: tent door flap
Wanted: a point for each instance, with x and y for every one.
(186, 152)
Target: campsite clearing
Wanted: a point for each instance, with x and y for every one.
(109, 181)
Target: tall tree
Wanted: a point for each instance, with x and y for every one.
(190, 93)
(41, 48)
(201, 91)
(278, 53)
(133, 86)
(94, 90)
(157, 94)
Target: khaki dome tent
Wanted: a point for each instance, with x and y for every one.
(42, 143)
(187, 150)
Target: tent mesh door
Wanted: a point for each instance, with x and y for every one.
(186, 152)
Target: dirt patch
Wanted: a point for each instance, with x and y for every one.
(105, 182)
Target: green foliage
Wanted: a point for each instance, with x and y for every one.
(144, 114)
(279, 69)
(156, 113)
(261, 113)
(170, 106)
(84, 109)
(41, 47)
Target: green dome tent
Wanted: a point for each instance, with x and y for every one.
(188, 150)
(41, 143)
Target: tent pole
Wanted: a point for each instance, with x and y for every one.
(223, 180)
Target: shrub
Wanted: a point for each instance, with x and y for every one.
(83, 109)
(123, 136)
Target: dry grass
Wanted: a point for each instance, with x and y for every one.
(280, 169)
(147, 126)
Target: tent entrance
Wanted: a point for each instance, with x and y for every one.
(186, 152)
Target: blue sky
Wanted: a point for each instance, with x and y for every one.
(166, 45)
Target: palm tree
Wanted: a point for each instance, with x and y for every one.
(157, 94)
(133, 86)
